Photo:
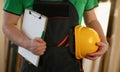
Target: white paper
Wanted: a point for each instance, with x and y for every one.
(33, 26)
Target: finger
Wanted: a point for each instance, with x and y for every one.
(40, 48)
(39, 39)
(37, 48)
(92, 57)
(40, 44)
(40, 52)
(101, 50)
(97, 53)
(101, 44)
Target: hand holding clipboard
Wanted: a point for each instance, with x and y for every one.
(34, 25)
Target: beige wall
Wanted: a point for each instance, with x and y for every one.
(114, 63)
(2, 48)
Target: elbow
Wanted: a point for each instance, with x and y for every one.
(4, 28)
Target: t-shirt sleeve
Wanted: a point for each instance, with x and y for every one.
(91, 4)
(13, 6)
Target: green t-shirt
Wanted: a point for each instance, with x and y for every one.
(18, 6)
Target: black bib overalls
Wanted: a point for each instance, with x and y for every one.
(59, 55)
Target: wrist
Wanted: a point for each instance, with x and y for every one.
(25, 43)
(106, 44)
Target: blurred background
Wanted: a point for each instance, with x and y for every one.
(108, 13)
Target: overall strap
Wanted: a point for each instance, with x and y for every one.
(48, 0)
(65, 0)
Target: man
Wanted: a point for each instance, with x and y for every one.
(62, 15)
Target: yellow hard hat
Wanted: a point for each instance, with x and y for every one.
(85, 41)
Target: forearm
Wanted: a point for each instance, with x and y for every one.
(97, 27)
(91, 21)
(13, 34)
(11, 31)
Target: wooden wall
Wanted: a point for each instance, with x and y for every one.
(2, 41)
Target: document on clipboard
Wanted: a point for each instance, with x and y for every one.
(34, 25)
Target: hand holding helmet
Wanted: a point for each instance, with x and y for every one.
(85, 41)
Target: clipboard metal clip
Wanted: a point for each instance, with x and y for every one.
(35, 15)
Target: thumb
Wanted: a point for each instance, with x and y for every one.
(39, 39)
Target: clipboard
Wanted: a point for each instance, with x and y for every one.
(34, 25)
